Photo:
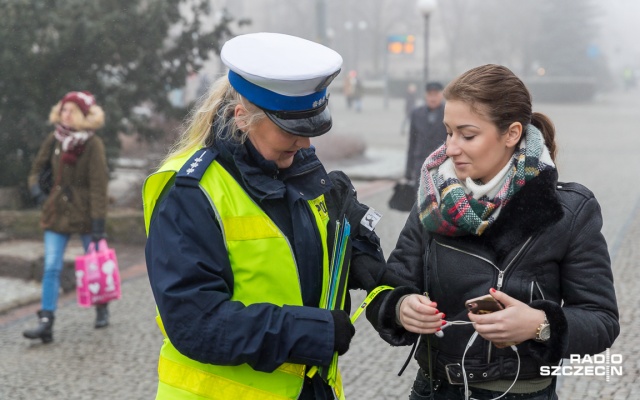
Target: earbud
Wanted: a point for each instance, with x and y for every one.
(440, 334)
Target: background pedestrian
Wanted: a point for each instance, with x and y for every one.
(77, 201)
(426, 130)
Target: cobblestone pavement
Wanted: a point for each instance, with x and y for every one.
(119, 362)
(626, 276)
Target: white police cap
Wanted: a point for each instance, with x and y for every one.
(286, 76)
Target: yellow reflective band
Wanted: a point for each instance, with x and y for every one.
(338, 387)
(292, 369)
(368, 300)
(249, 228)
(363, 305)
(208, 386)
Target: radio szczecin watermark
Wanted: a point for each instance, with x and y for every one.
(604, 364)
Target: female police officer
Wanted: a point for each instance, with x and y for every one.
(240, 220)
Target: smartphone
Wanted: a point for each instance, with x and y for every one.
(483, 305)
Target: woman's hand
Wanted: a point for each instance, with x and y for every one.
(516, 323)
(418, 314)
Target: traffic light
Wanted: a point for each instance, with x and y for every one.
(401, 44)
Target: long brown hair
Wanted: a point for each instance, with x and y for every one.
(504, 99)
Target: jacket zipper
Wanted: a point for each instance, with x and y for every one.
(295, 262)
(501, 273)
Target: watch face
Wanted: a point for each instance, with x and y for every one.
(545, 332)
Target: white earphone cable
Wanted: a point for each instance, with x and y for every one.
(469, 344)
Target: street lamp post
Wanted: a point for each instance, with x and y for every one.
(426, 7)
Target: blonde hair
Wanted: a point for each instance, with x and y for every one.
(213, 118)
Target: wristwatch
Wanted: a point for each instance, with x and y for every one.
(543, 333)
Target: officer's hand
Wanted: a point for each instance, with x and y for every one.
(344, 331)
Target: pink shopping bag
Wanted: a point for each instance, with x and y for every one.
(97, 275)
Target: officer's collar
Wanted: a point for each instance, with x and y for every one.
(261, 177)
(268, 167)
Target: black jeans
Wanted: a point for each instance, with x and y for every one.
(421, 390)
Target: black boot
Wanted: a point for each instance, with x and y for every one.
(44, 330)
(102, 315)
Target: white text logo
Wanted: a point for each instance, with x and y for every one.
(604, 364)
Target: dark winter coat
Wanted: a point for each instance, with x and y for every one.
(544, 249)
(426, 133)
(79, 193)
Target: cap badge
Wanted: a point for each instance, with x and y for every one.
(319, 102)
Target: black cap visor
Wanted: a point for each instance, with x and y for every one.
(307, 123)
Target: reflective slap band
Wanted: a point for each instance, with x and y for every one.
(272, 101)
(312, 371)
(368, 300)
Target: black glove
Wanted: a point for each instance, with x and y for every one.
(97, 230)
(344, 331)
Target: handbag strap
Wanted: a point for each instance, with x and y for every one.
(102, 245)
(91, 248)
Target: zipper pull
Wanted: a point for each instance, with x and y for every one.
(500, 278)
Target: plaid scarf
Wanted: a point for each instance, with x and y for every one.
(445, 206)
(72, 142)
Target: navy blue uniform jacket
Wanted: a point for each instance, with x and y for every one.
(192, 280)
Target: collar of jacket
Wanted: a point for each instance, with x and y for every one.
(262, 178)
(534, 208)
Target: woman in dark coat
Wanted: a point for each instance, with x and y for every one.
(491, 219)
(77, 202)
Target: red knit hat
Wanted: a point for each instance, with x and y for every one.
(84, 100)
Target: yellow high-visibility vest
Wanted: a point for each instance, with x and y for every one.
(264, 270)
